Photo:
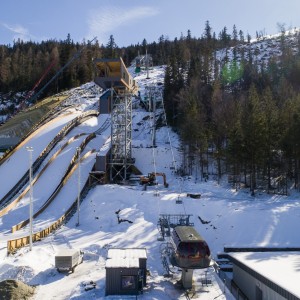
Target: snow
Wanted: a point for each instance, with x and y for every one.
(280, 267)
(262, 49)
(234, 218)
(40, 140)
(124, 258)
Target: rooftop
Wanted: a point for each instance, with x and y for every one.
(282, 268)
(125, 258)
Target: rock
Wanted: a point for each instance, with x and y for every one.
(15, 290)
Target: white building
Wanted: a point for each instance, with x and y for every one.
(267, 275)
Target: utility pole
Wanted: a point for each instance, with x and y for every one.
(78, 196)
(147, 65)
(30, 150)
(153, 99)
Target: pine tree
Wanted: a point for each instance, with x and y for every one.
(241, 35)
(207, 31)
(235, 147)
(193, 125)
(234, 35)
(272, 130)
(254, 133)
(111, 48)
(218, 124)
(290, 135)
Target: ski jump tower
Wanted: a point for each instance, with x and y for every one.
(112, 75)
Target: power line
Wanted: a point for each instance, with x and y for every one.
(173, 157)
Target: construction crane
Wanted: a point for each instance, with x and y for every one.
(75, 56)
(40, 80)
(150, 179)
(32, 91)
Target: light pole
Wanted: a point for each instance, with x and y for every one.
(78, 196)
(30, 150)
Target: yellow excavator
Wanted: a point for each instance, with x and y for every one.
(150, 179)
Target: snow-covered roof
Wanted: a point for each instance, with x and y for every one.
(282, 268)
(125, 258)
(66, 252)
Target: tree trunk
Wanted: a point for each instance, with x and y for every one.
(252, 180)
(269, 177)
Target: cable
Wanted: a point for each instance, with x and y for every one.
(172, 152)
(154, 165)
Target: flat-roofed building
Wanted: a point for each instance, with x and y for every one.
(125, 271)
(267, 275)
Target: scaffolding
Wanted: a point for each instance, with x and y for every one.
(113, 75)
(168, 221)
(121, 142)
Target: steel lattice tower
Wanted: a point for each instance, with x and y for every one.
(113, 75)
(121, 127)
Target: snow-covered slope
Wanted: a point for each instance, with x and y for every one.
(234, 218)
(263, 48)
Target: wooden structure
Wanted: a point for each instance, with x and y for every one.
(112, 73)
(13, 245)
(125, 271)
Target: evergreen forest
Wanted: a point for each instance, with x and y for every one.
(228, 104)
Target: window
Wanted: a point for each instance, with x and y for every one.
(195, 249)
(128, 282)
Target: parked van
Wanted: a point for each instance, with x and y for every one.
(68, 259)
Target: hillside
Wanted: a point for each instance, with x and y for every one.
(187, 48)
(232, 218)
(264, 48)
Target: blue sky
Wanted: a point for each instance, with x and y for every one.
(133, 20)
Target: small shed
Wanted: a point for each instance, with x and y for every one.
(125, 271)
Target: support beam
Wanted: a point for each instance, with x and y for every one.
(187, 278)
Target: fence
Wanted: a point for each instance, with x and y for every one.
(13, 245)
